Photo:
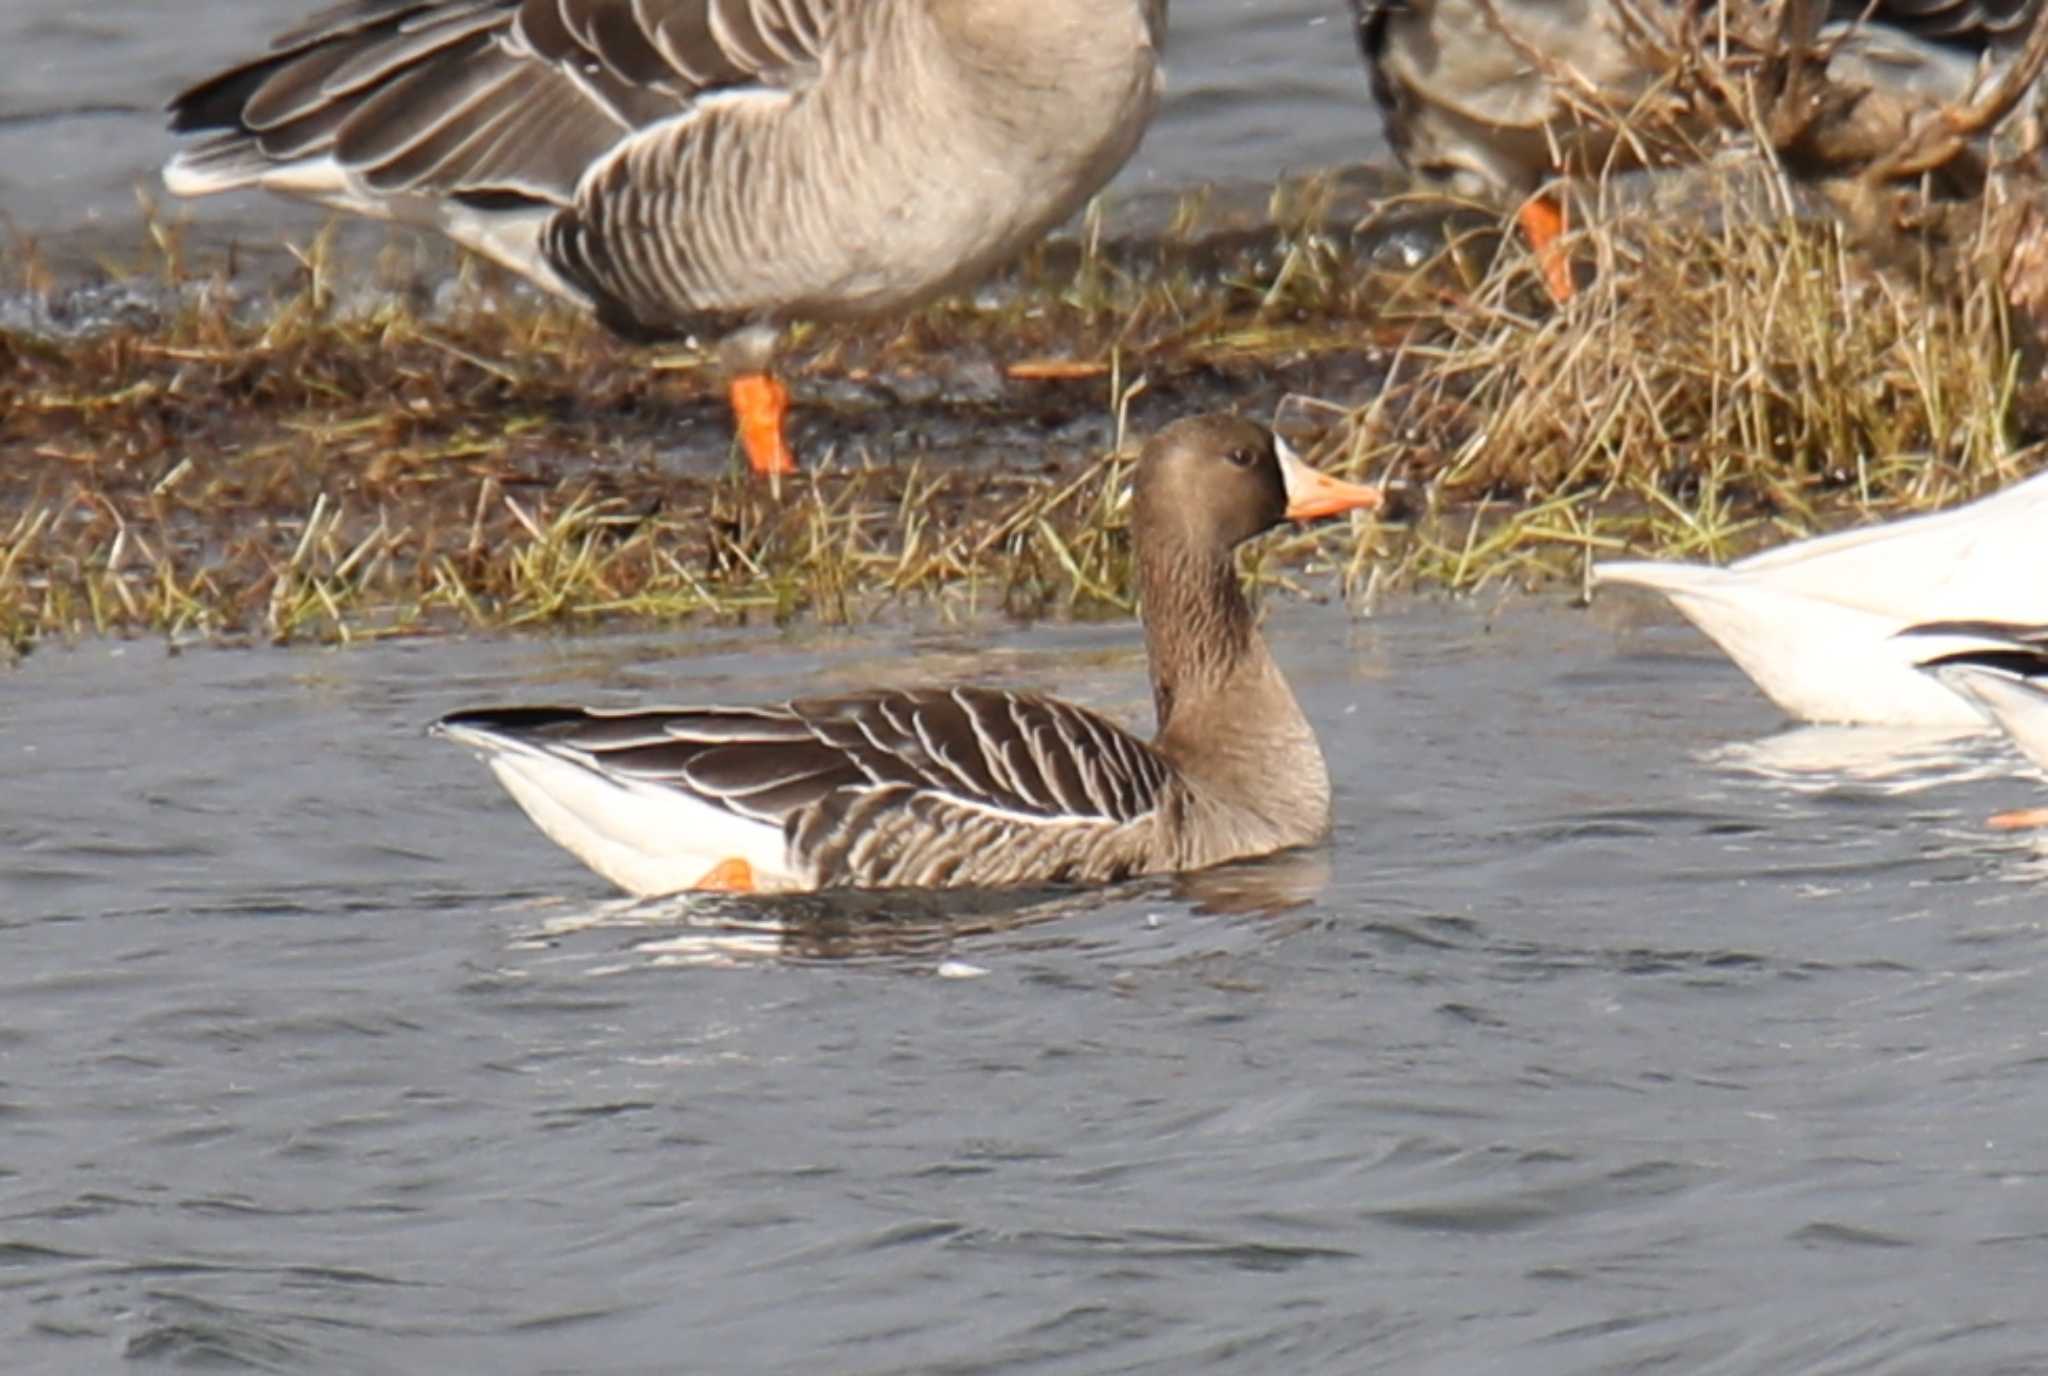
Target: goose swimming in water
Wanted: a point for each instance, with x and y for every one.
(979, 787)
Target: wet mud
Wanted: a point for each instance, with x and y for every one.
(370, 435)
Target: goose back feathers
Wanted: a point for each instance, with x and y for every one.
(1469, 90)
(681, 164)
(853, 791)
(972, 786)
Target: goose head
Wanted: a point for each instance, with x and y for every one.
(1208, 483)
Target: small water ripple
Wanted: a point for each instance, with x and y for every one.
(1575, 1050)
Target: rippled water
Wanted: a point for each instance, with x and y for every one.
(1616, 1030)
(1255, 87)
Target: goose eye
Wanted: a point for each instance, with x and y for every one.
(1242, 458)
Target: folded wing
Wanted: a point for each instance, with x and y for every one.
(925, 788)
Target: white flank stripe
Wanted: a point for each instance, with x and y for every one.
(183, 178)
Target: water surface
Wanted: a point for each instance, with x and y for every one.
(1615, 1030)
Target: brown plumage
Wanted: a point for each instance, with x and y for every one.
(697, 167)
(1489, 97)
(972, 786)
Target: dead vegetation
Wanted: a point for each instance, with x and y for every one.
(213, 458)
(1829, 306)
(1797, 84)
(1711, 389)
(189, 453)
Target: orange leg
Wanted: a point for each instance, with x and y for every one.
(2026, 819)
(759, 403)
(728, 876)
(1543, 222)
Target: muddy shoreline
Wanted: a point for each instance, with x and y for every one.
(379, 438)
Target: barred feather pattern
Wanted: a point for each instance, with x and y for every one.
(678, 164)
(972, 786)
(928, 788)
(1460, 104)
(1967, 23)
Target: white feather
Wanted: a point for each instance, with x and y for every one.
(1813, 622)
(647, 838)
(510, 238)
(2018, 705)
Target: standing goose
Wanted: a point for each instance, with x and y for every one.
(2003, 668)
(971, 787)
(1486, 98)
(1816, 623)
(698, 166)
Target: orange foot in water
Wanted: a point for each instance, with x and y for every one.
(2026, 819)
(760, 403)
(728, 876)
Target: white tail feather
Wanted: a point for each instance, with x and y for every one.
(648, 839)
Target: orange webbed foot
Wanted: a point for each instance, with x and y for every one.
(2026, 819)
(728, 876)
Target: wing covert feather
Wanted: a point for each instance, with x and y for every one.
(471, 96)
(927, 787)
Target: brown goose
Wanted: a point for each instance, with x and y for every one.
(698, 166)
(971, 787)
(1480, 96)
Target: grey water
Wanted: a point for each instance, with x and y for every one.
(1255, 88)
(1616, 1029)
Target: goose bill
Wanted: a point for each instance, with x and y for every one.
(1311, 494)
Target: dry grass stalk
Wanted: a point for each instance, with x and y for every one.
(1722, 381)
(325, 471)
(1761, 70)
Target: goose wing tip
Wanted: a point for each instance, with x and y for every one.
(208, 168)
(461, 729)
(501, 727)
(1660, 575)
